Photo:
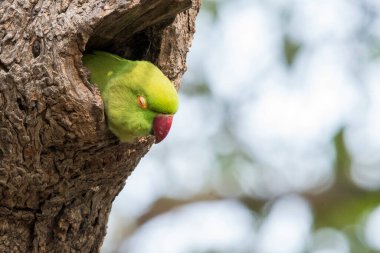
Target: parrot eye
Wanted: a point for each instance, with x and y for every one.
(141, 102)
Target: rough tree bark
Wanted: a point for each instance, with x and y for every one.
(60, 167)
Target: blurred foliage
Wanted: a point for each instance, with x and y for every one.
(290, 49)
(198, 89)
(211, 6)
(375, 50)
(343, 205)
(342, 156)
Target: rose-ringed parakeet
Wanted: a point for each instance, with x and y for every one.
(139, 99)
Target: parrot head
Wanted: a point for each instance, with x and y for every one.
(140, 100)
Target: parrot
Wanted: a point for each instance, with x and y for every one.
(139, 100)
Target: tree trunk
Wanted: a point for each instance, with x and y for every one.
(60, 167)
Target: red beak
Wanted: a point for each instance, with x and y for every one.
(161, 126)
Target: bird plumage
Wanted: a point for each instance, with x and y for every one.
(134, 93)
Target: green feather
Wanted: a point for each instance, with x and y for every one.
(121, 82)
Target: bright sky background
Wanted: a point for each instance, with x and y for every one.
(286, 119)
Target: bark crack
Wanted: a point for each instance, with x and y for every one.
(3, 67)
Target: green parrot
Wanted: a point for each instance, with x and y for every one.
(139, 99)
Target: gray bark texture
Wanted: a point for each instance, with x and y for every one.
(60, 167)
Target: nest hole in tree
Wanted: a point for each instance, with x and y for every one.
(131, 35)
(136, 34)
(133, 48)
